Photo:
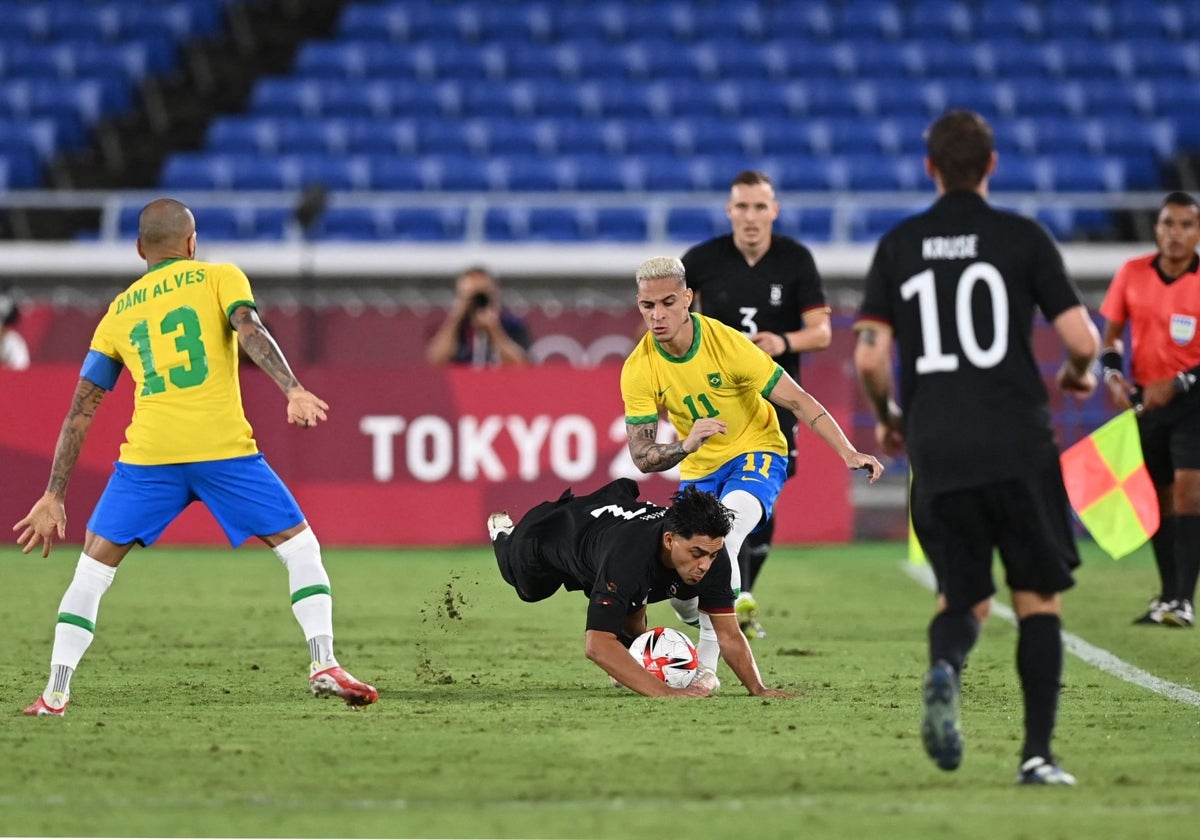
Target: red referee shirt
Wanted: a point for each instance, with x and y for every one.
(1162, 316)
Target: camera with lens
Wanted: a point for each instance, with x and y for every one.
(480, 300)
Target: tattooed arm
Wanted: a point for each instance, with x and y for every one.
(304, 407)
(47, 519)
(651, 456)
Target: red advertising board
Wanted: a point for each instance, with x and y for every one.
(411, 455)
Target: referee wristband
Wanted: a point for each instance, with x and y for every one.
(1112, 363)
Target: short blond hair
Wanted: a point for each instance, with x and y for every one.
(657, 267)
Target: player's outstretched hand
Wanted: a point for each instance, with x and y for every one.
(702, 430)
(46, 520)
(862, 461)
(305, 408)
(696, 689)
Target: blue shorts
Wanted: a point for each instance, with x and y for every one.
(244, 494)
(761, 474)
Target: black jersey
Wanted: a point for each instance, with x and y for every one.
(959, 284)
(607, 544)
(770, 296)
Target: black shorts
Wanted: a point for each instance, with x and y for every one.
(1027, 519)
(520, 556)
(1171, 438)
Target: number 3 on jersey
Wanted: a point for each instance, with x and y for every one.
(932, 359)
(188, 341)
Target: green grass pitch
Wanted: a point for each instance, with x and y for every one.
(190, 714)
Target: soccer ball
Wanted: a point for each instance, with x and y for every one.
(667, 655)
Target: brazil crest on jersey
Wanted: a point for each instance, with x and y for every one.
(171, 330)
(723, 375)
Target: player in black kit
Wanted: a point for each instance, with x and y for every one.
(766, 285)
(624, 554)
(956, 288)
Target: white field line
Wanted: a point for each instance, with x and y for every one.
(1089, 653)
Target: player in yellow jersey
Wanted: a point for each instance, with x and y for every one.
(714, 383)
(177, 330)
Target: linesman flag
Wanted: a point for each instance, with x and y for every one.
(1110, 488)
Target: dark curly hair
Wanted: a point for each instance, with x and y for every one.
(697, 512)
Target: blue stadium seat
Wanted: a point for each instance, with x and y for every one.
(1038, 97)
(1012, 59)
(555, 224)
(712, 137)
(1084, 172)
(893, 97)
(877, 17)
(1175, 96)
(525, 173)
(384, 61)
(1152, 58)
(1054, 134)
(588, 20)
(330, 60)
(1022, 19)
(881, 59)
(19, 169)
(1067, 18)
(1083, 58)
(880, 173)
(397, 174)
(432, 224)
(1128, 138)
(373, 136)
(822, 98)
(803, 60)
(1131, 20)
(729, 58)
(904, 135)
(41, 136)
(808, 224)
(787, 137)
(805, 172)
(869, 225)
(814, 21)
(213, 223)
(196, 171)
(353, 223)
(1122, 99)
(506, 224)
(941, 59)
(256, 135)
(1016, 174)
(460, 173)
(620, 224)
(668, 173)
(939, 20)
(694, 224)
(1059, 219)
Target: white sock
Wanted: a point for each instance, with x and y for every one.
(708, 649)
(688, 610)
(747, 513)
(76, 625)
(312, 598)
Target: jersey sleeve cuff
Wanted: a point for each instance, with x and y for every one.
(229, 309)
(100, 370)
(639, 421)
(770, 386)
(869, 323)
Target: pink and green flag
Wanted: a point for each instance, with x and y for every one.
(1110, 488)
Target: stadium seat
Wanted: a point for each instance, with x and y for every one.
(869, 225)
(430, 224)
(556, 225)
(880, 18)
(802, 59)
(812, 21)
(1084, 172)
(805, 224)
(353, 223)
(1022, 19)
(330, 60)
(938, 20)
(620, 224)
(691, 224)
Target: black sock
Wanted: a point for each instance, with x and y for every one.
(1039, 665)
(754, 553)
(952, 634)
(1187, 556)
(1164, 557)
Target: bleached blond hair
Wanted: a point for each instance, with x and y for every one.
(657, 267)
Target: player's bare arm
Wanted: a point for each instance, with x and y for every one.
(47, 519)
(304, 407)
(735, 650)
(606, 650)
(651, 456)
(873, 361)
(1078, 333)
(788, 394)
(816, 334)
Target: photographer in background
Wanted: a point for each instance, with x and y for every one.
(477, 330)
(14, 353)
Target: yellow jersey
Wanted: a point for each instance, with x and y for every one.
(723, 375)
(171, 330)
